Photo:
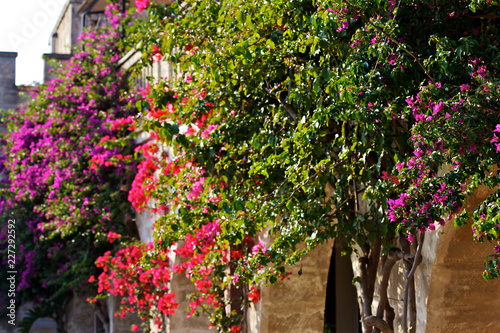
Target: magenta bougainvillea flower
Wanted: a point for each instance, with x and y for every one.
(69, 164)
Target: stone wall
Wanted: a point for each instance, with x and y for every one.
(64, 37)
(79, 316)
(50, 70)
(182, 286)
(9, 93)
(67, 29)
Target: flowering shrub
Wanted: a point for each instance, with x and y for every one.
(367, 122)
(143, 284)
(70, 168)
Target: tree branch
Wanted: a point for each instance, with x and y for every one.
(367, 300)
(392, 257)
(369, 267)
(377, 322)
(409, 278)
(412, 316)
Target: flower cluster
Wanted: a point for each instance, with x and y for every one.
(496, 139)
(141, 5)
(171, 179)
(141, 275)
(69, 170)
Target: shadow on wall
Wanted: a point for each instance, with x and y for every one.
(341, 306)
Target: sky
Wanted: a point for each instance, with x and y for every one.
(25, 28)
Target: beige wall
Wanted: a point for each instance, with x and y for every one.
(460, 300)
(181, 286)
(63, 42)
(297, 304)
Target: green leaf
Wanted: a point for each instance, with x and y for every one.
(239, 16)
(270, 43)
(249, 22)
(250, 205)
(181, 138)
(238, 205)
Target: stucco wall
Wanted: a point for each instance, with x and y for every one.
(459, 299)
(296, 304)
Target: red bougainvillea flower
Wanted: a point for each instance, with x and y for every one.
(254, 295)
(156, 53)
(236, 254)
(112, 236)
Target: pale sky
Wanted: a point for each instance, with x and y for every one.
(25, 28)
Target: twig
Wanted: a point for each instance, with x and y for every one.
(288, 107)
(358, 12)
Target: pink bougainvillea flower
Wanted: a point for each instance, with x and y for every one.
(437, 108)
(258, 247)
(141, 5)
